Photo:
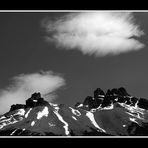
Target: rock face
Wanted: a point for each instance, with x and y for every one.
(143, 103)
(103, 114)
(100, 98)
(118, 92)
(35, 100)
(122, 92)
(17, 106)
(98, 92)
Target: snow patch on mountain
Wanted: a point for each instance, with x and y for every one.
(62, 120)
(3, 117)
(108, 107)
(7, 122)
(13, 132)
(74, 118)
(134, 111)
(26, 115)
(133, 120)
(20, 112)
(50, 124)
(42, 113)
(92, 119)
(80, 105)
(32, 123)
(75, 112)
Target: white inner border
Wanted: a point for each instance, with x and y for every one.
(73, 10)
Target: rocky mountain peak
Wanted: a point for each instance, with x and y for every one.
(98, 92)
(17, 106)
(112, 96)
(120, 92)
(36, 100)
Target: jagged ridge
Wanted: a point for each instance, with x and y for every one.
(102, 99)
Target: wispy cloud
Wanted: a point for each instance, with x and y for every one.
(97, 33)
(24, 85)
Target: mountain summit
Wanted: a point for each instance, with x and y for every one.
(114, 113)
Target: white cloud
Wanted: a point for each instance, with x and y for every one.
(24, 85)
(98, 33)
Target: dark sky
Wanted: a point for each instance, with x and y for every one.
(23, 49)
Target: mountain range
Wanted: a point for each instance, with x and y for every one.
(110, 113)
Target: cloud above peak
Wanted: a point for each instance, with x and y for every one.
(95, 33)
(24, 85)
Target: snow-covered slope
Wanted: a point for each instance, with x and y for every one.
(112, 113)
